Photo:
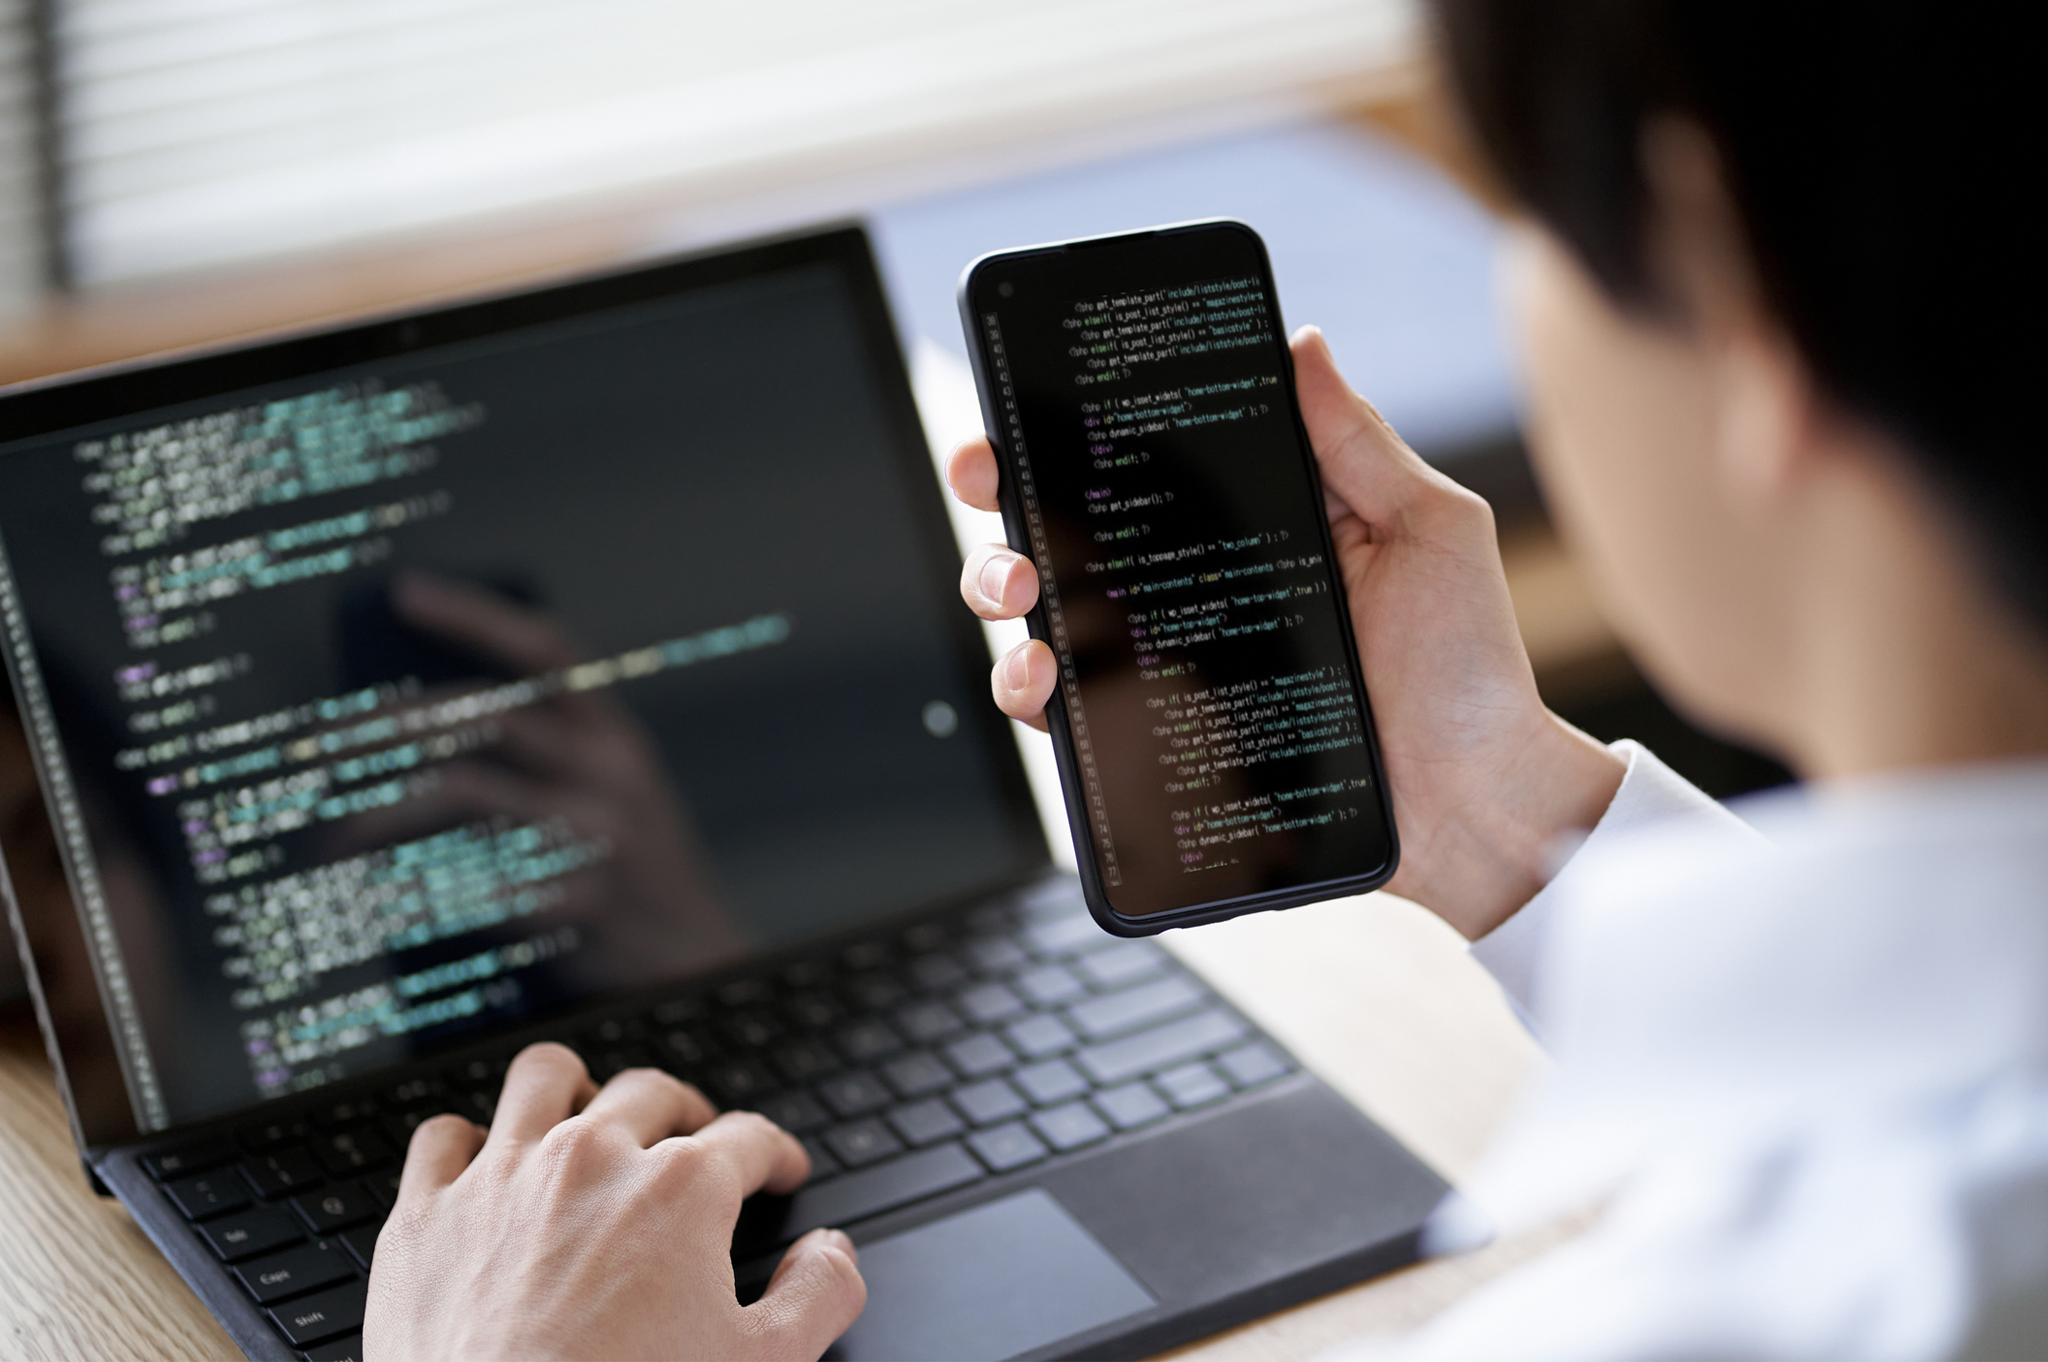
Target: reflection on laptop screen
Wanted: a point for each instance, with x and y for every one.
(399, 698)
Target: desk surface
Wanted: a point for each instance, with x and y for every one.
(1374, 994)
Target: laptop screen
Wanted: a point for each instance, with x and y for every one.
(418, 678)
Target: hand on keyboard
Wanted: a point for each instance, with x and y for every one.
(597, 1223)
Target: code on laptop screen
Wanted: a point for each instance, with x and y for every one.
(396, 701)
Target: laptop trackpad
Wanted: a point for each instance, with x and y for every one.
(991, 1282)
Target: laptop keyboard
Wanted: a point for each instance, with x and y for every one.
(908, 1065)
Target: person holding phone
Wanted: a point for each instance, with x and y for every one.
(1771, 280)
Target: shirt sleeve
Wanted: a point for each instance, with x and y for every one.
(1650, 793)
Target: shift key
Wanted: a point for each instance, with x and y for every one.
(1116, 1060)
(870, 1191)
(317, 1318)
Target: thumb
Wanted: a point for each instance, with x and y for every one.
(1363, 461)
(815, 1294)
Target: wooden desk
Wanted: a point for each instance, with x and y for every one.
(1373, 993)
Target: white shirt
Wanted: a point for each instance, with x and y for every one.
(1805, 1074)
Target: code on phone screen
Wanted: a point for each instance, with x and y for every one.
(1220, 744)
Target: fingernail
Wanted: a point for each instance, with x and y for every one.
(994, 573)
(1016, 671)
(837, 1239)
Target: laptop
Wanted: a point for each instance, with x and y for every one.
(586, 664)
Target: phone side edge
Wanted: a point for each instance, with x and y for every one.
(1093, 892)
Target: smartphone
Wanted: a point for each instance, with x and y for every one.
(1214, 739)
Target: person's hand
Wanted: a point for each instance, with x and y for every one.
(597, 1223)
(1484, 777)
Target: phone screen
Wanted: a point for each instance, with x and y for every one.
(1216, 744)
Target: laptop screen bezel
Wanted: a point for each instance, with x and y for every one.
(102, 1119)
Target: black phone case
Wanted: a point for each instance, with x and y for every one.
(1093, 890)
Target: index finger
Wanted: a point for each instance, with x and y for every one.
(545, 1086)
(971, 473)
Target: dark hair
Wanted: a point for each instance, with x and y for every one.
(1880, 154)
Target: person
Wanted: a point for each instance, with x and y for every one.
(1771, 287)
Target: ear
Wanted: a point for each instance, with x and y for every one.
(1766, 409)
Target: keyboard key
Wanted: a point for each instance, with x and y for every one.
(1131, 1106)
(805, 1060)
(823, 1165)
(399, 1126)
(384, 1187)
(740, 1083)
(1116, 1060)
(248, 1233)
(348, 1349)
(1050, 1082)
(1123, 964)
(986, 1103)
(208, 1194)
(343, 1113)
(997, 955)
(478, 1105)
(336, 1207)
(929, 1021)
(616, 1031)
(917, 1074)
(854, 1093)
(986, 1003)
(867, 1041)
(317, 1318)
(189, 1158)
(1062, 936)
(1192, 1085)
(814, 1011)
(875, 992)
(361, 1242)
(268, 1135)
(1039, 1036)
(796, 1112)
(1049, 984)
(415, 1092)
(752, 1030)
(283, 1173)
(979, 1054)
(1112, 1014)
(676, 1011)
(938, 973)
(926, 1122)
(293, 1272)
(1070, 1126)
(680, 1048)
(855, 1196)
(991, 919)
(1006, 1147)
(806, 973)
(1052, 899)
(1252, 1065)
(925, 937)
(484, 1072)
(862, 1142)
(605, 1065)
(352, 1151)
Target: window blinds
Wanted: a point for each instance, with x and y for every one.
(21, 215)
(198, 132)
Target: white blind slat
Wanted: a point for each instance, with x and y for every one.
(197, 132)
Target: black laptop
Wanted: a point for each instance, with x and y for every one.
(587, 664)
